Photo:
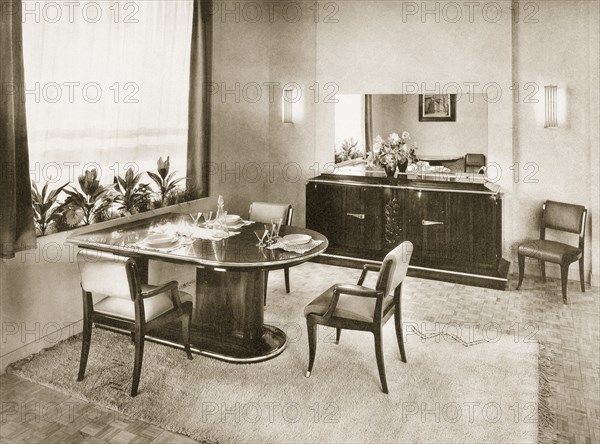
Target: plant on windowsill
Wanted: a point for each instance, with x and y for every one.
(395, 152)
(347, 151)
(164, 180)
(134, 197)
(46, 208)
(88, 205)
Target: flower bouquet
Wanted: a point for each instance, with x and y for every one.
(395, 152)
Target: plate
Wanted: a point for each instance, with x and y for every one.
(160, 240)
(232, 219)
(296, 239)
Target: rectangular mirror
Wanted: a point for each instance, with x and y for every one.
(359, 118)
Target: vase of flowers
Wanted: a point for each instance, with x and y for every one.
(396, 152)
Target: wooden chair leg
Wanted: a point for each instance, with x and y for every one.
(521, 270)
(312, 344)
(286, 273)
(87, 334)
(543, 268)
(399, 335)
(185, 329)
(380, 362)
(266, 278)
(139, 356)
(85, 349)
(338, 334)
(564, 278)
(581, 274)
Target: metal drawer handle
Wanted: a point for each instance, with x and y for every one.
(356, 215)
(430, 222)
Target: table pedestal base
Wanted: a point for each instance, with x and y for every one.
(228, 319)
(217, 346)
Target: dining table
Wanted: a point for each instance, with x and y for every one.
(231, 275)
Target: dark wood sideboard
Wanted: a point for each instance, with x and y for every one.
(455, 227)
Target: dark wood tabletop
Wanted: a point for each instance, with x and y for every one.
(235, 252)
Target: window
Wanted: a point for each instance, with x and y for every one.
(106, 86)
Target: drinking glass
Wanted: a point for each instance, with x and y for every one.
(275, 226)
(196, 217)
(260, 235)
(207, 217)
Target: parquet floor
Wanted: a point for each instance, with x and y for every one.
(33, 413)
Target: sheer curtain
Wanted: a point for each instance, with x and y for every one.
(107, 86)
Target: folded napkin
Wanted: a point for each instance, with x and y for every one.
(300, 249)
(243, 223)
(210, 234)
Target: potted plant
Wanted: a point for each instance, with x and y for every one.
(88, 205)
(395, 152)
(164, 180)
(134, 197)
(46, 209)
(347, 151)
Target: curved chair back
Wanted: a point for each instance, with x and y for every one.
(263, 212)
(394, 268)
(565, 217)
(107, 274)
(473, 162)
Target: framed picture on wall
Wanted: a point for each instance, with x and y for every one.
(437, 107)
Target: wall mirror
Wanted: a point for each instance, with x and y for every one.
(359, 118)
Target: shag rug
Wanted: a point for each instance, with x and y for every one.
(453, 389)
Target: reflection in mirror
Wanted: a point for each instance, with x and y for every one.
(360, 118)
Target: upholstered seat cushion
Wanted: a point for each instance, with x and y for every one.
(349, 307)
(153, 306)
(550, 251)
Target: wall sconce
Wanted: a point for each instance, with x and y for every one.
(551, 106)
(287, 106)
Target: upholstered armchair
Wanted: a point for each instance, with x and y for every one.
(355, 307)
(115, 279)
(563, 217)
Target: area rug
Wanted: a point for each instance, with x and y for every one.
(453, 389)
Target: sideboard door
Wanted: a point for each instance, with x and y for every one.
(349, 216)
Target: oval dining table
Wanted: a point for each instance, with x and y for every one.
(228, 320)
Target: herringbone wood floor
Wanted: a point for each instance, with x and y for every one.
(33, 413)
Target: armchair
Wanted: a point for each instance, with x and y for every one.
(355, 307)
(116, 279)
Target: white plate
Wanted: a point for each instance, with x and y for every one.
(296, 239)
(160, 240)
(232, 219)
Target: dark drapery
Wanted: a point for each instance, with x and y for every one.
(198, 154)
(368, 123)
(17, 232)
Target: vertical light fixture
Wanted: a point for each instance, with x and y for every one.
(551, 106)
(287, 105)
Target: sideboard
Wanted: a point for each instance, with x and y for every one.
(455, 227)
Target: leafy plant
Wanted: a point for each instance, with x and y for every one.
(45, 206)
(164, 180)
(348, 151)
(89, 204)
(133, 196)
